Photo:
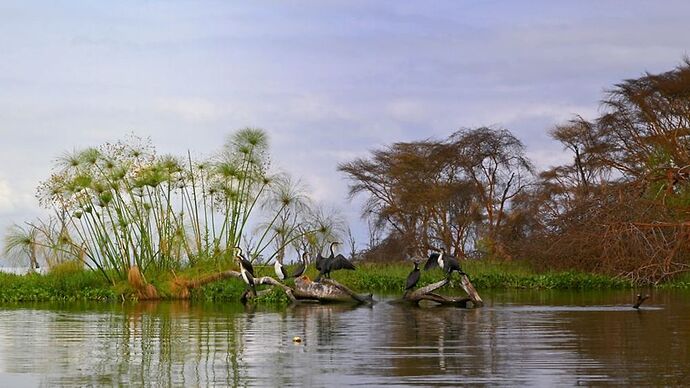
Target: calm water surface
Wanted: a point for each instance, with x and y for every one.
(519, 338)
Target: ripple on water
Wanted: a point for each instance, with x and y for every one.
(504, 344)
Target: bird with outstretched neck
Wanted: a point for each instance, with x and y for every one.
(301, 266)
(243, 260)
(246, 275)
(413, 277)
(332, 263)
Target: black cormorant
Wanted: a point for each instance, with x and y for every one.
(639, 301)
(301, 266)
(332, 263)
(320, 258)
(413, 277)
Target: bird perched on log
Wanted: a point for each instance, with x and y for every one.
(281, 273)
(413, 277)
(640, 300)
(244, 262)
(332, 263)
(301, 266)
(446, 262)
(246, 274)
(320, 258)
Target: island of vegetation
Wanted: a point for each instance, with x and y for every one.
(128, 224)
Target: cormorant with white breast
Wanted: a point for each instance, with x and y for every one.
(245, 263)
(247, 273)
(446, 262)
(281, 273)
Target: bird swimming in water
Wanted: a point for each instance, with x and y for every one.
(446, 262)
(413, 277)
(332, 263)
(640, 300)
(301, 266)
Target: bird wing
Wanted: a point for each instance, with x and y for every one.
(248, 277)
(432, 261)
(340, 262)
(319, 261)
(247, 265)
(452, 264)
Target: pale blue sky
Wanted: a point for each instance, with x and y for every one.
(327, 80)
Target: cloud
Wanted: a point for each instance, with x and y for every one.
(193, 109)
(328, 82)
(6, 202)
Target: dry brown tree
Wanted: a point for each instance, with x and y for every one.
(449, 193)
(621, 207)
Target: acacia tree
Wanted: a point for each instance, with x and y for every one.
(496, 165)
(646, 125)
(621, 206)
(447, 193)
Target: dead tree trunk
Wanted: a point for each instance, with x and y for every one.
(473, 299)
(327, 290)
(272, 282)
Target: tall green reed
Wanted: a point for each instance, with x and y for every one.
(123, 205)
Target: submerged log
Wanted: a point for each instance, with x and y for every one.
(327, 290)
(473, 299)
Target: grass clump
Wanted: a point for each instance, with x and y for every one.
(63, 285)
(483, 274)
(71, 282)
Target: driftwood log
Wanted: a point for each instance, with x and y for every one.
(472, 300)
(327, 290)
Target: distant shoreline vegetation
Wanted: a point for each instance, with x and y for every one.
(126, 222)
(68, 284)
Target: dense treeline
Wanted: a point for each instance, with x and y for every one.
(620, 207)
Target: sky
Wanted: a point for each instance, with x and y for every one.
(328, 80)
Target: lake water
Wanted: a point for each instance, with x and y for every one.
(540, 338)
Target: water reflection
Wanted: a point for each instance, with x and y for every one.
(518, 338)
